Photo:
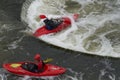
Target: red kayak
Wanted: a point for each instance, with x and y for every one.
(66, 22)
(18, 69)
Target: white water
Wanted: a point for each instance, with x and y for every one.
(103, 73)
(97, 30)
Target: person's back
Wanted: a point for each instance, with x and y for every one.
(52, 23)
(40, 63)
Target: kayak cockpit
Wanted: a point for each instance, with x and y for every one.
(32, 67)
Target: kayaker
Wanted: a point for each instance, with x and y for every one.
(51, 23)
(39, 63)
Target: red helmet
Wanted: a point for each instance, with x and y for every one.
(37, 57)
(42, 16)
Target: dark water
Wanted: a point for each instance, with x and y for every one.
(15, 45)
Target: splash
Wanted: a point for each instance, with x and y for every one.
(104, 74)
(4, 75)
(96, 32)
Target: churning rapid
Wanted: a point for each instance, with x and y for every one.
(97, 30)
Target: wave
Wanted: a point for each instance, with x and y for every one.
(96, 32)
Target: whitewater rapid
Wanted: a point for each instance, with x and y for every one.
(97, 31)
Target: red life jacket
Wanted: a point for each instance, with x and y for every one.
(40, 65)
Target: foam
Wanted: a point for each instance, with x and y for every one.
(72, 38)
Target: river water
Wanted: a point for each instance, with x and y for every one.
(97, 17)
(96, 32)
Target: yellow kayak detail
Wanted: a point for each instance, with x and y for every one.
(15, 65)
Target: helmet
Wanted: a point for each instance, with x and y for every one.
(42, 16)
(37, 57)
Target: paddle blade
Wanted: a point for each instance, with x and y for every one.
(48, 60)
(76, 16)
(42, 16)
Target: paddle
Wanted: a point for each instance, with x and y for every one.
(48, 60)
